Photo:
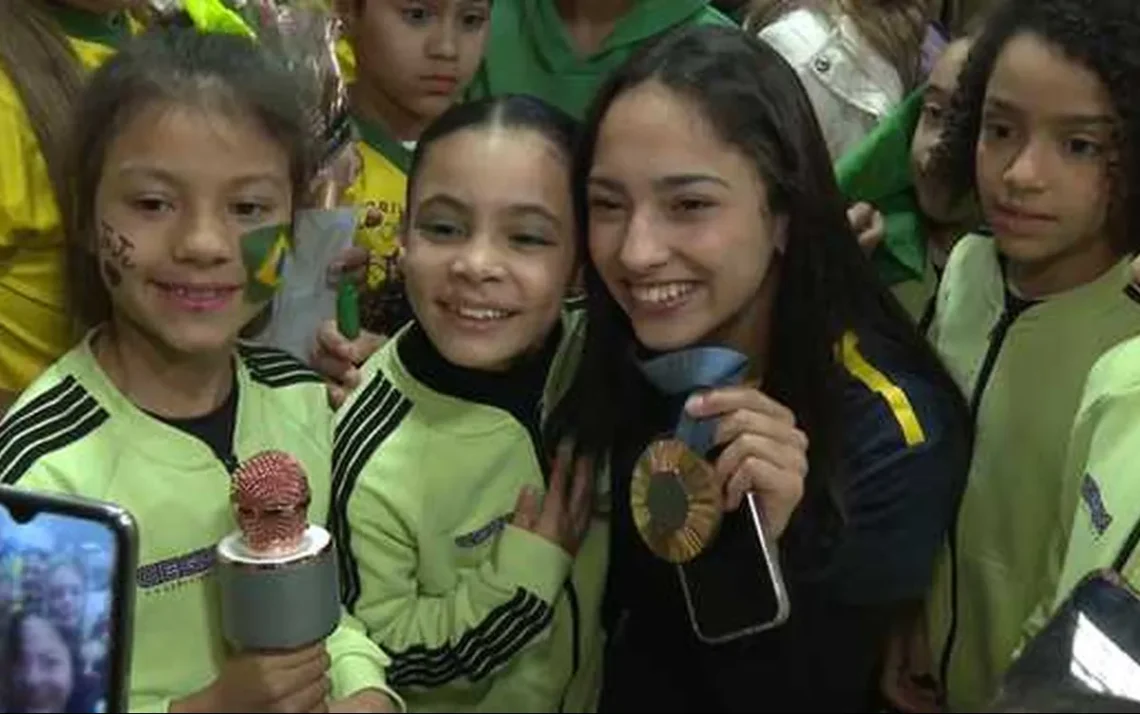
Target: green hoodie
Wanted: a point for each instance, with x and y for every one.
(878, 171)
(530, 51)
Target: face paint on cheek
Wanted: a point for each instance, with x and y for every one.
(264, 253)
(116, 248)
(112, 275)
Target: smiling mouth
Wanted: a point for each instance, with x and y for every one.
(662, 294)
(478, 313)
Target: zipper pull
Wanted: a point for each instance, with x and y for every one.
(230, 462)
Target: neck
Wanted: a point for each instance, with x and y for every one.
(590, 22)
(157, 379)
(377, 107)
(941, 239)
(1045, 278)
(749, 331)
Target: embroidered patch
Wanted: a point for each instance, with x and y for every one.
(182, 567)
(470, 540)
(1094, 501)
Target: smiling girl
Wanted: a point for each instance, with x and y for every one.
(714, 219)
(1044, 132)
(482, 574)
(191, 149)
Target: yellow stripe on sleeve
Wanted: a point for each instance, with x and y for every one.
(877, 382)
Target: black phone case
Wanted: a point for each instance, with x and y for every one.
(23, 505)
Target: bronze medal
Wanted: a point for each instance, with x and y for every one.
(676, 500)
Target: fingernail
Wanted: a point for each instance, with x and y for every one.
(694, 403)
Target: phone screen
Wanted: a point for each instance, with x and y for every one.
(57, 577)
(734, 588)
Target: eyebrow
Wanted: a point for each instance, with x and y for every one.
(674, 181)
(171, 178)
(534, 209)
(445, 200)
(1072, 120)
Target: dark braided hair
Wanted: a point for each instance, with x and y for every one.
(1101, 35)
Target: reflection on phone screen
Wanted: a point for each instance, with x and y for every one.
(56, 575)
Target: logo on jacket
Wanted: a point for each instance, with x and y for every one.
(1094, 502)
(474, 538)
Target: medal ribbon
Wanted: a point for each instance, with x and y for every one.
(686, 371)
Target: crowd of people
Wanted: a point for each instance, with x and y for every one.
(917, 239)
(55, 609)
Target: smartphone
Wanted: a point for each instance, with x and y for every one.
(1087, 658)
(734, 588)
(66, 603)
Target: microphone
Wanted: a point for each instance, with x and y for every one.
(277, 572)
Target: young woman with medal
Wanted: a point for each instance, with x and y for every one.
(719, 254)
(720, 257)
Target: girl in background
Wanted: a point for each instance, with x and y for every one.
(714, 219)
(65, 594)
(563, 50)
(190, 156)
(412, 61)
(1044, 132)
(45, 50)
(856, 58)
(891, 172)
(482, 576)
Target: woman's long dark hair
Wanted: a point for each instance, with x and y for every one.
(756, 105)
(13, 650)
(1100, 35)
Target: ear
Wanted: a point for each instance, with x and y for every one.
(780, 232)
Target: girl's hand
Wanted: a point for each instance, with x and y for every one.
(766, 453)
(563, 515)
(869, 226)
(336, 358)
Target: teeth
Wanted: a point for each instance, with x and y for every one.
(200, 293)
(661, 293)
(480, 313)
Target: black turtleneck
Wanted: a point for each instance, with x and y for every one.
(517, 391)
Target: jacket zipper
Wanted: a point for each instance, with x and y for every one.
(1014, 308)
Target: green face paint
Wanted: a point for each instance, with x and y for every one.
(263, 251)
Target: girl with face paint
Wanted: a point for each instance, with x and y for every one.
(713, 219)
(191, 156)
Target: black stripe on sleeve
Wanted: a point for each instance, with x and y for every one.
(369, 421)
(56, 419)
(275, 368)
(479, 651)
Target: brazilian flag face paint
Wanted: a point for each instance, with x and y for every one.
(264, 252)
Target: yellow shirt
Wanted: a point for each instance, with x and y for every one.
(378, 194)
(34, 327)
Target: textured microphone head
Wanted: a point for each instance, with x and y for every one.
(270, 496)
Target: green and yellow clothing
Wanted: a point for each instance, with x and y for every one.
(34, 328)
(74, 432)
(1022, 364)
(379, 195)
(429, 459)
(529, 50)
